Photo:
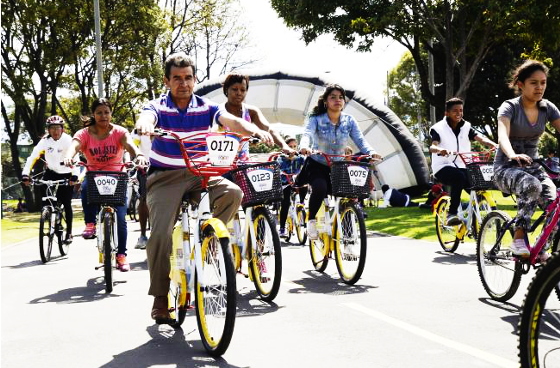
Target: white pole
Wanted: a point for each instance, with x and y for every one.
(98, 48)
(431, 82)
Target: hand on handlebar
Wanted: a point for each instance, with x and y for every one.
(141, 161)
(265, 137)
(443, 152)
(375, 157)
(144, 128)
(305, 151)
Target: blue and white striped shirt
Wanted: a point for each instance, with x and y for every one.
(197, 118)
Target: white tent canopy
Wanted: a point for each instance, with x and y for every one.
(288, 98)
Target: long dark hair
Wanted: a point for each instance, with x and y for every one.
(90, 120)
(524, 71)
(321, 107)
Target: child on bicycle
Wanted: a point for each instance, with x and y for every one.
(289, 166)
(328, 130)
(103, 144)
(54, 146)
(453, 134)
(521, 122)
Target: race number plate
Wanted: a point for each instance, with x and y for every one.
(261, 179)
(487, 172)
(106, 185)
(222, 149)
(358, 175)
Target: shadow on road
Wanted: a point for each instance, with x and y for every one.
(446, 258)
(512, 319)
(324, 284)
(168, 347)
(36, 263)
(139, 266)
(249, 305)
(94, 290)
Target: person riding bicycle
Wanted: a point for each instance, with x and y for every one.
(181, 111)
(328, 130)
(453, 134)
(54, 146)
(521, 122)
(289, 165)
(144, 143)
(235, 88)
(103, 145)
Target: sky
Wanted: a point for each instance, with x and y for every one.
(279, 47)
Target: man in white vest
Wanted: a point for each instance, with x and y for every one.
(451, 135)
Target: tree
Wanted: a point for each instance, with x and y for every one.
(405, 97)
(463, 32)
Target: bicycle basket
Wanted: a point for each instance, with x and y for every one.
(260, 183)
(106, 187)
(351, 179)
(481, 175)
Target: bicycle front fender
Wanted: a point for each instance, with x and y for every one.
(218, 226)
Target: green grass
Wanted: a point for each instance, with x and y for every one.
(18, 227)
(417, 223)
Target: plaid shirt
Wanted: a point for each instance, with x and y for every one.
(322, 135)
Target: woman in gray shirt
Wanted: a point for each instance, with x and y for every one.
(521, 122)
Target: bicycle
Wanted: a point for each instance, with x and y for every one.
(343, 230)
(201, 260)
(296, 220)
(480, 173)
(133, 195)
(539, 322)
(50, 223)
(499, 269)
(107, 189)
(257, 240)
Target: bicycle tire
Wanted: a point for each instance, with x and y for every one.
(177, 299)
(132, 206)
(484, 209)
(108, 250)
(540, 314)
(301, 232)
(319, 253)
(498, 270)
(215, 297)
(447, 235)
(266, 254)
(289, 228)
(346, 242)
(555, 248)
(45, 235)
(63, 247)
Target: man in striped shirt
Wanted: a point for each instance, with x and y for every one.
(184, 113)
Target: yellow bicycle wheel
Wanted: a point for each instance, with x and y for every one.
(216, 293)
(447, 235)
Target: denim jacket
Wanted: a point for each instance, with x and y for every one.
(322, 135)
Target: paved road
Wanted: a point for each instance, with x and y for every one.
(414, 307)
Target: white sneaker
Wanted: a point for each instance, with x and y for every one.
(519, 248)
(312, 232)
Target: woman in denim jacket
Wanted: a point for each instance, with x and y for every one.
(327, 130)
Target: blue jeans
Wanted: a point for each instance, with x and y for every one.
(90, 216)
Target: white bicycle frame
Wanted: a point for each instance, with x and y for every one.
(198, 214)
(327, 224)
(470, 211)
(239, 234)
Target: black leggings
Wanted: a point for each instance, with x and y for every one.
(319, 178)
(286, 203)
(63, 196)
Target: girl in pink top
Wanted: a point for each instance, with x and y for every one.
(103, 144)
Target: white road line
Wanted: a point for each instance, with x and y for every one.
(491, 358)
